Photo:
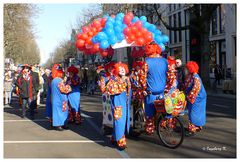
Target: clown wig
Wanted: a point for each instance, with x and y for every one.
(57, 71)
(152, 49)
(192, 67)
(108, 66)
(116, 68)
(72, 69)
(171, 60)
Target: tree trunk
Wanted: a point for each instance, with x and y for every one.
(205, 56)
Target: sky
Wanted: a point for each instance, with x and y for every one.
(54, 23)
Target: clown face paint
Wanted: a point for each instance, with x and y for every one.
(122, 71)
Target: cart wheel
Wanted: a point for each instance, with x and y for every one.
(170, 131)
(138, 123)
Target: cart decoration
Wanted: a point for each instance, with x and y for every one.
(118, 31)
(175, 102)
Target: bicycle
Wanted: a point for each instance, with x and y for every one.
(169, 128)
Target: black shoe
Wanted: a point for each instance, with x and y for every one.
(121, 148)
(189, 134)
(65, 127)
(59, 129)
(23, 116)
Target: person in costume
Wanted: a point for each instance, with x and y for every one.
(172, 76)
(138, 74)
(48, 100)
(196, 98)
(59, 99)
(119, 88)
(74, 96)
(156, 70)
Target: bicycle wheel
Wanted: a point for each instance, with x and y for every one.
(170, 131)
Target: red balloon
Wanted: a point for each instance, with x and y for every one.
(104, 53)
(80, 43)
(140, 41)
(134, 29)
(78, 36)
(149, 37)
(127, 31)
(127, 19)
(84, 36)
(90, 33)
(97, 24)
(144, 31)
(110, 51)
(138, 34)
(88, 40)
(132, 37)
(96, 47)
(130, 14)
(138, 24)
(103, 21)
(85, 29)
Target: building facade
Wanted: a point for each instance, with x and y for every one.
(222, 37)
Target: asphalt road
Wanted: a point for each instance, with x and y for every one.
(24, 138)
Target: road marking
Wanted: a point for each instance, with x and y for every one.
(221, 106)
(122, 153)
(26, 120)
(64, 141)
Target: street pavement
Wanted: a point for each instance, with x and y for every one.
(25, 138)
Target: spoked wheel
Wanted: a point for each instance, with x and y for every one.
(170, 131)
(138, 124)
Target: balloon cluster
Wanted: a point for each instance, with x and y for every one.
(84, 39)
(112, 32)
(102, 33)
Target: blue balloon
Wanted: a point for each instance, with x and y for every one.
(104, 44)
(162, 46)
(165, 39)
(124, 26)
(112, 40)
(143, 19)
(158, 39)
(117, 29)
(120, 37)
(95, 40)
(158, 32)
(117, 23)
(109, 24)
(135, 19)
(111, 19)
(110, 32)
(121, 14)
(152, 28)
(101, 36)
(146, 25)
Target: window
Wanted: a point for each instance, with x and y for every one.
(179, 5)
(214, 23)
(179, 25)
(175, 25)
(174, 7)
(170, 32)
(170, 9)
(222, 15)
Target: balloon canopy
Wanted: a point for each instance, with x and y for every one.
(118, 31)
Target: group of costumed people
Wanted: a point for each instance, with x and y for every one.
(152, 77)
(63, 97)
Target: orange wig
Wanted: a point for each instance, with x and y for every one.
(57, 71)
(192, 67)
(152, 49)
(117, 66)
